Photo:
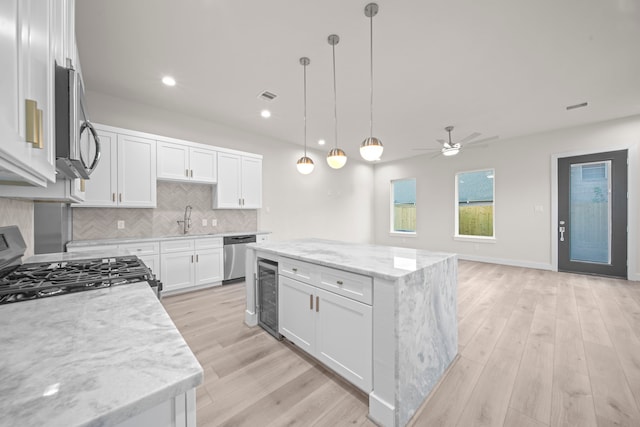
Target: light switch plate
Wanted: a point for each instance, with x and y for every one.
(204, 222)
(214, 222)
(120, 224)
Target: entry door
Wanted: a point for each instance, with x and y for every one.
(592, 214)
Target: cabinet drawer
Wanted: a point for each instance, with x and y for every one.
(209, 243)
(350, 285)
(179, 245)
(143, 248)
(298, 270)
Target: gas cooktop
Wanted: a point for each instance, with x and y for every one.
(22, 282)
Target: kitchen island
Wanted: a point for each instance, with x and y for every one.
(384, 318)
(107, 357)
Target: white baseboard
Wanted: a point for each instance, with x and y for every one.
(250, 318)
(511, 262)
(381, 412)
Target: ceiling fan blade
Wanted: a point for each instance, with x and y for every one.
(471, 147)
(491, 138)
(441, 141)
(470, 137)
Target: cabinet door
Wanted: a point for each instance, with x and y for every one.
(344, 337)
(296, 312)
(209, 266)
(177, 270)
(101, 187)
(21, 44)
(136, 172)
(227, 191)
(251, 183)
(173, 161)
(202, 165)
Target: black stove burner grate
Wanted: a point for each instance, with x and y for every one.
(39, 280)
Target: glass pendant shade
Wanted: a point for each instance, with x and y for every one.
(371, 149)
(305, 165)
(336, 158)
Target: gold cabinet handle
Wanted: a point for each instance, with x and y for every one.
(191, 173)
(197, 258)
(317, 304)
(31, 121)
(295, 270)
(83, 185)
(239, 202)
(192, 259)
(339, 282)
(120, 197)
(310, 301)
(186, 173)
(39, 130)
(113, 197)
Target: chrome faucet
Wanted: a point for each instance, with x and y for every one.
(186, 221)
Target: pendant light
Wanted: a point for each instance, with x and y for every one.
(336, 157)
(305, 164)
(371, 148)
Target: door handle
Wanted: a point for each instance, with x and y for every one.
(561, 229)
(311, 302)
(317, 304)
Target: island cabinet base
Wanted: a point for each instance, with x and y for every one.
(177, 412)
(391, 331)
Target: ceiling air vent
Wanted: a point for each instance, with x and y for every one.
(267, 96)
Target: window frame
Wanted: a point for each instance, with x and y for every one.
(456, 225)
(393, 232)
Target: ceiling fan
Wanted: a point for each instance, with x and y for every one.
(450, 148)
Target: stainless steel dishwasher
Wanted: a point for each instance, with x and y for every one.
(235, 248)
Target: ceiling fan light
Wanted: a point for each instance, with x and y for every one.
(336, 158)
(371, 149)
(452, 151)
(305, 165)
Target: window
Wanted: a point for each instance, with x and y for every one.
(403, 206)
(475, 204)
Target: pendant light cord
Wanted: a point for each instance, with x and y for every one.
(335, 96)
(305, 110)
(371, 69)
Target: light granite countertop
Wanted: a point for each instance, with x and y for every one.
(91, 358)
(386, 262)
(123, 240)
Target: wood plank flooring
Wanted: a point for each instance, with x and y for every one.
(536, 348)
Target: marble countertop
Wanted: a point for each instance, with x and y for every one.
(90, 358)
(386, 262)
(123, 240)
(72, 256)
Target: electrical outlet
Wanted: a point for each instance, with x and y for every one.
(120, 224)
(214, 222)
(204, 222)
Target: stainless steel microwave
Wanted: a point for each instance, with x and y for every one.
(77, 142)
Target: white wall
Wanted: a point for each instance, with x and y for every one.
(523, 179)
(326, 204)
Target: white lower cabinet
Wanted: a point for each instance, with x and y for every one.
(179, 411)
(334, 329)
(188, 263)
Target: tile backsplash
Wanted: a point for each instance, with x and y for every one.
(20, 213)
(102, 223)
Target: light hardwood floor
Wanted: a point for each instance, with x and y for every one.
(536, 348)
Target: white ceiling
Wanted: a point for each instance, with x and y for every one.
(498, 67)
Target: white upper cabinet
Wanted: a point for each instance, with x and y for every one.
(126, 174)
(27, 140)
(186, 162)
(239, 182)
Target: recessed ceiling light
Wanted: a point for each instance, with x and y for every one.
(265, 113)
(169, 81)
(321, 142)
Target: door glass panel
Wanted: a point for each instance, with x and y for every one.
(590, 212)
